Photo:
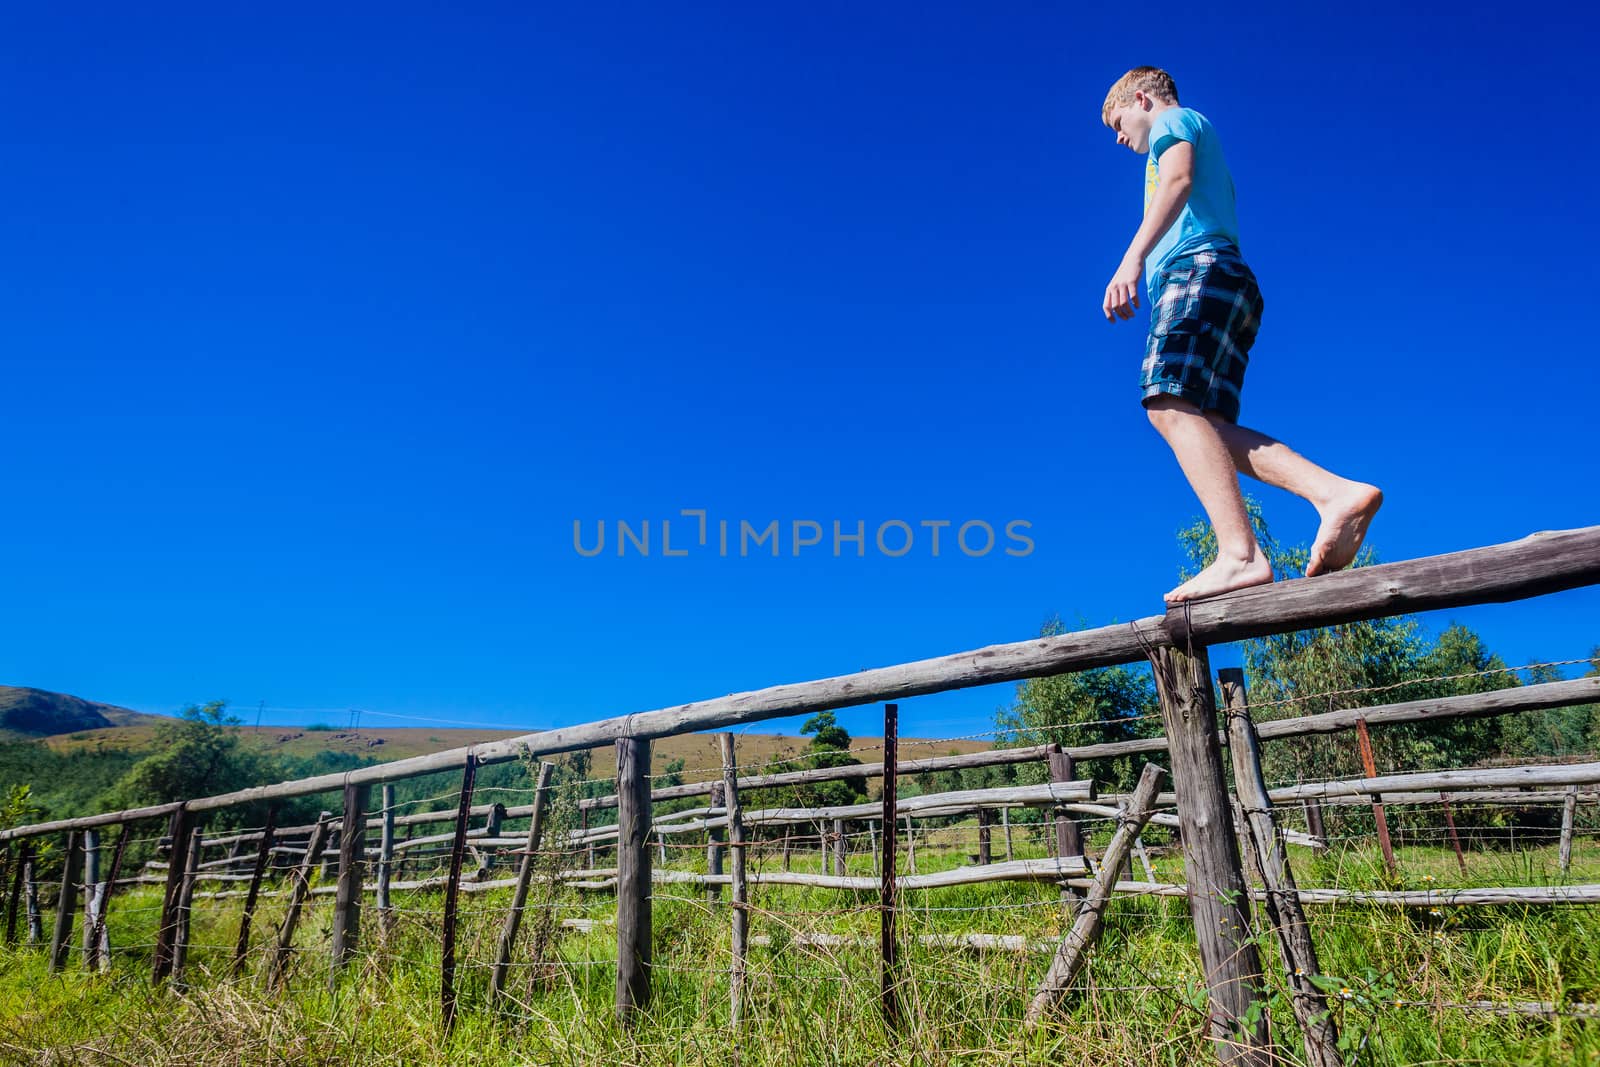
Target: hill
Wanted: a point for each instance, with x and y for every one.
(26, 713)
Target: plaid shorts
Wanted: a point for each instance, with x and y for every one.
(1204, 320)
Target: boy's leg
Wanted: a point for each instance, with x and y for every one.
(1344, 507)
(1207, 462)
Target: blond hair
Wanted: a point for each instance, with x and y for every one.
(1152, 81)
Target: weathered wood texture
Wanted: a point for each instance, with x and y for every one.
(180, 940)
(386, 863)
(452, 890)
(1086, 925)
(1218, 895)
(100, 940)
(1379, 816)
(889, 972)
(1498, 702)
(519, 897)
(633, 878)
(241, 945)
(1569, 812)
(352, 867)
(716, 836)
(24, 861)
(738, 887)
(1321, 1035)
(1540, 563)
(67, 901)
(179, 829)
(299, 886)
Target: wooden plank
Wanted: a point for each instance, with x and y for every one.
(738, 886)
(241, 946)
(1086, 925)
(1301, 966)
(519, 897)
(386, 864)
(180, 940)
(24, 860)
(715, 838)
(102, 938)
(30, 899)
(1498, 702)
(67, 901)
(1364, 744)
(1569, 812)
(1540, 563)
(352, 870)
(633, 878)
(179, 828)
(452, 889)
(299, 886)
(889, 971)
(1436, 782)
(1218, 899)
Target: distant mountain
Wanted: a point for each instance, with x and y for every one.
(26, 713)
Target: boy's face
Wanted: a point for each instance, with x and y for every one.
(1131, 122)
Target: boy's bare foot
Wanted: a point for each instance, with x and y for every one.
(1343, 528)
(1223, 576)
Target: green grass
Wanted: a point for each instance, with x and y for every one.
(1141, 1001)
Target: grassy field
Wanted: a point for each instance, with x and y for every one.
(1141, 1002)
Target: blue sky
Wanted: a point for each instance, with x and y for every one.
(322, 329)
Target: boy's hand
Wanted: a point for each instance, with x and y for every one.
(1122, 295)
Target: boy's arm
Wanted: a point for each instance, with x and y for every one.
(1172, 192)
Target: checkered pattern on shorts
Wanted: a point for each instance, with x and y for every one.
(1205, 317)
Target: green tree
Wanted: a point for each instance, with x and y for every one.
(198, 754)
(1082, 708)
(830, 747)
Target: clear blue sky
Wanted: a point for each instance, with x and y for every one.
(321, 328)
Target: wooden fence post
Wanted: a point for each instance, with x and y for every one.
(715, 836)
(491, 828)
(178, 834)
(1218, 896)
(24, 858)
(386, 863)
(1370, 769)
(102, 937)
(67, 900)
(1282, 897)
(519, 898)
(1073, 952)
(299, 886)
(633, 877)
(985, 855)
(180, 938)
(352, 867)
(911, 846)
(1314, 824)
(30, 899)
(889, 973)
(1069, 835)
(1005, 826)
(739, 889)
(452, 888)
(93, 896)
(1569, 813)
(263, 852)
(840, 855)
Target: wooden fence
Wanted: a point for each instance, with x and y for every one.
(1213, 824)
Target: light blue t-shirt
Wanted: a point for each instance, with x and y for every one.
(1208, 220)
